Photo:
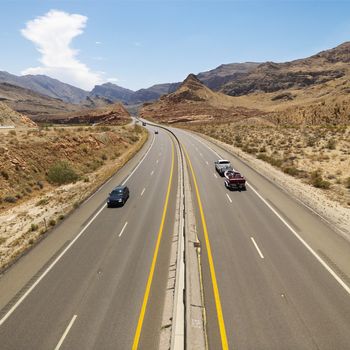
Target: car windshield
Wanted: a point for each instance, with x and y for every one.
(117, 192)
(224, 162)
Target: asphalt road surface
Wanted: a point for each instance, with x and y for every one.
(275, 275)
(278, 276)
(85, 285)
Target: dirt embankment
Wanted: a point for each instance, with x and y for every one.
(31, 198)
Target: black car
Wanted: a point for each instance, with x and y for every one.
(118, 196)
(156, 132)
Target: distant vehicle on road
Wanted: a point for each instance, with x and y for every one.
(222, 165)
(156, 132)
(118, 196)
(234, 180)
(143, 124)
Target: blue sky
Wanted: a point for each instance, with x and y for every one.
(137, 44)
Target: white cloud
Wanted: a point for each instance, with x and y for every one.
(98, 42)
(52, 34)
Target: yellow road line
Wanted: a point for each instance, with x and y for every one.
(154, 260)
(220, 316)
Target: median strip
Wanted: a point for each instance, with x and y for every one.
(221, 323)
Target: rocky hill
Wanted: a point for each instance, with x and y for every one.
(299, 74)
(216, 78)
(9, 117)
(193, 101)
(45, 85)
(114, 114)
(117, 93)
(32, 104)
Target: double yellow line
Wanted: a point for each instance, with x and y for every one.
(224, 342)
(154, 260)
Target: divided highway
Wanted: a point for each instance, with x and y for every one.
(275, 276)
(104, 287)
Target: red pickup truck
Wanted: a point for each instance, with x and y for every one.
(234, 180)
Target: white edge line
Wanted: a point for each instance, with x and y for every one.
(229, 198)
(142, 159)
(215, 175)
(257, 248)
(121, 232)
(321, 261)
(143, 191)
(66, 332)
(152, 172)
(14, 307)
(93, 194)
(20, 300)
(307, 246)
(207, 162)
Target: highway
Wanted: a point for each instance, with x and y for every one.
(275, 276)
(98, 280)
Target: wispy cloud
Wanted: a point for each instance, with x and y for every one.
(113, 80)
(52, 34)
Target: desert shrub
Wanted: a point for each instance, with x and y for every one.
(61, 217)
(40, 184)
(318, 181)
(5, 175)
(134, 138)
(34, 227)
(42, 201)
(52, 222)
(263, 157)
(12, 132)
(10, 199)
(250, 150)
(104, 156)
(331, 144)
(275, 161)
(62, 173)
(311, 142)
(347, 183)
(95, 164)
(291, 170)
